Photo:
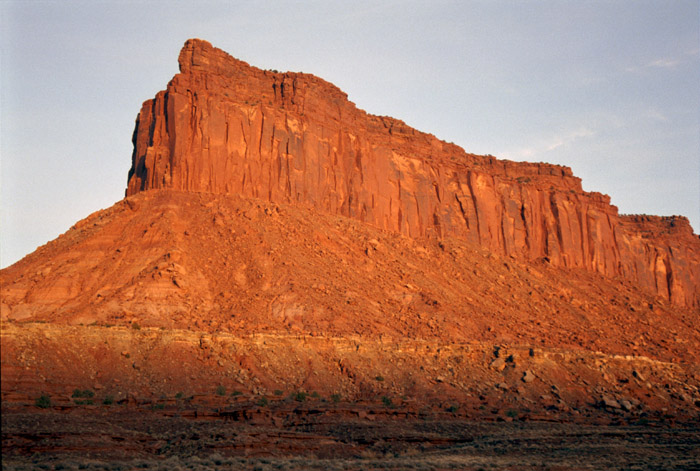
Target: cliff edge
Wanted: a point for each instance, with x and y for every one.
(225, 127)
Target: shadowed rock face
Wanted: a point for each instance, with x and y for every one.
(224, 127)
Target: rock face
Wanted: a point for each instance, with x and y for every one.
(224, 127)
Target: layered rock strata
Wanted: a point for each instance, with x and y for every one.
(222, 126)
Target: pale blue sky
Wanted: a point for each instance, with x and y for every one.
(609, 88)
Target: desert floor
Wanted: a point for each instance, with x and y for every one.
(123, 437)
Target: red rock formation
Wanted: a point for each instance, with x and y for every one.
(222, 126)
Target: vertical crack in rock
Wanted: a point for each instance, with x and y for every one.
(369, 162)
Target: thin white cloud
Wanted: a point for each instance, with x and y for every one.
(663, 63)
(655, 115)
(669, 62)
(538, 149)
(564, 139)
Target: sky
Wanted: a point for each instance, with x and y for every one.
(609, 88)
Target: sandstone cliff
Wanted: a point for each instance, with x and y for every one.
(222, 126)
(201, 262)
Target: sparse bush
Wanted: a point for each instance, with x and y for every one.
(43, 401)
(387, 401)
(299, 396)
(512, 413)
(220, 390)
(262, 402)
(236, 393)
(179, 395)
(315, 395)
(86, 393)
(217, 459)
(108, 400)
(158, 406)
(379, 378)
(277, 392)
(135, 326)
(335, 398)
(452, 409)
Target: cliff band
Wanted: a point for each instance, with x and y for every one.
(224, 127)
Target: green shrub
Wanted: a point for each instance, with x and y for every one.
(108, 400)
(236, 393)
(335, 398)
(179, 395)
(43, 401)
(135, 326)
(315, 395)
(387, 401)
(452, 409)
(299, 396)
(86, 393)
(262, 402)
(512, 413)
(277, 392)
(220, 390)
(379, 378)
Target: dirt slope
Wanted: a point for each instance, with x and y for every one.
(239, 265)
(170, 292)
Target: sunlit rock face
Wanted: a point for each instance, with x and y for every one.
(225, 127)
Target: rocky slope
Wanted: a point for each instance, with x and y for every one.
(198, 261)
(171, 292)
(295, 243)
(224, 127)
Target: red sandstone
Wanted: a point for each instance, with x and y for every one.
(495, 284)
(224, 127)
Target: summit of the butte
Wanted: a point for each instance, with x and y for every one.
(224, 127)
(276, 237)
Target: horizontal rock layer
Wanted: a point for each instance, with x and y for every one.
(222, 126)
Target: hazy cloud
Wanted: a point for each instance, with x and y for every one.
(663, 63)
(537, 149)
(669, 62)
(655, 115)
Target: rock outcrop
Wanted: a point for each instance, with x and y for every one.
(225, 127)
(184, 261)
